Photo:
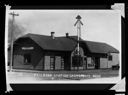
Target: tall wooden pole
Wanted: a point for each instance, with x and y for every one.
(78, 23)
(13, 18)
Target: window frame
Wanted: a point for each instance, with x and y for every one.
(110, 58)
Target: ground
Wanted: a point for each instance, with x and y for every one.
(22, 76)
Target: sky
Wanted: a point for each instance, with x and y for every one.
(98, 25)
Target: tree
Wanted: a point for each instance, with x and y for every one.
(17, 29)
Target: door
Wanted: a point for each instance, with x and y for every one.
(67, 64)
(52, 62)
(47, 63)
(57, 62)
(84, 63)
(97, 62)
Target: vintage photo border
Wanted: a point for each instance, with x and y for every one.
(78, 85)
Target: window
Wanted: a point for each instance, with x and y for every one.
(62, 63)
(77, 61)
(56, 63)
(52, 62)
(27, 59)
(110, 57)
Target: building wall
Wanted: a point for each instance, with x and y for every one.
(57, 63)
(56, 60)
(36, 55)
(105, 63)
(115, 60)
(90, 63)
(82, 54)
(40, 61)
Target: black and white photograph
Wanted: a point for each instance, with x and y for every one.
(63, 46)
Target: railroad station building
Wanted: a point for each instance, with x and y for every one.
(48, 52)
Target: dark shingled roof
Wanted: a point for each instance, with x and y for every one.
(69, 43)
(47, 43)
(97, 47)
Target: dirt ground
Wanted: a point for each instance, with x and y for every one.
(27, 76)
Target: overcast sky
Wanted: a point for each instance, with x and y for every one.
(99, 25)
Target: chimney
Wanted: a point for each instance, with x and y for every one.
(52, 35)
(67, 34)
